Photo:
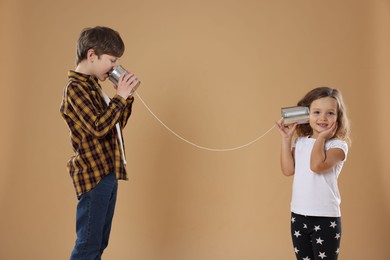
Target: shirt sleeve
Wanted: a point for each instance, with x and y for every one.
(127, 111)
(337, 143)
(93, 119)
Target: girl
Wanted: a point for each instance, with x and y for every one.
(316, 159)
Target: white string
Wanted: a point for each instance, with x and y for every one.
(199, 146)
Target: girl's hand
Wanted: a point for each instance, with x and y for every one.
(285, 131)
(329, 133)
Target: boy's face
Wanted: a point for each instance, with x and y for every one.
(102, 65)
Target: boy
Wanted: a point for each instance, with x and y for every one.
(95, 124)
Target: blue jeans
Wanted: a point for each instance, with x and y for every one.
(95, 211)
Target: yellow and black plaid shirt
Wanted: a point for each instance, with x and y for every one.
(92, 131)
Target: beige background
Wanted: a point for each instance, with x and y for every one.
(217, 72)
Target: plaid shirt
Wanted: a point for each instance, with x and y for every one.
(92, 131)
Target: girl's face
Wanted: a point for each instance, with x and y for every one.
(323, 114)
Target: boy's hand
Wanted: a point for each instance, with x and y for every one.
(126, 82)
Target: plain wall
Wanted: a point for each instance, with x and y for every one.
(217, 73)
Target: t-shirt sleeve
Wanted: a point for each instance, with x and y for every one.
(337, 143)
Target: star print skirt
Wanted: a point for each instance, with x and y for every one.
(315, 237)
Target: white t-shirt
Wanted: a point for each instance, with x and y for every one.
(316, 194)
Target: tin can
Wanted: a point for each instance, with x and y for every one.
(115, 74)
(297, 114)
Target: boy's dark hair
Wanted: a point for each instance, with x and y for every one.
(102, 40)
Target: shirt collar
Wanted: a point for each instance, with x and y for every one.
(92, 80)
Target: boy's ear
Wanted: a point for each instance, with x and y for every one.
(91, 55)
